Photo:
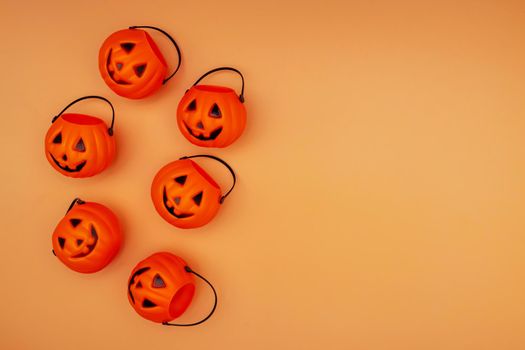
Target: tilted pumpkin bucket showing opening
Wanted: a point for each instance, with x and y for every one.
(131, 63)
(161, 288)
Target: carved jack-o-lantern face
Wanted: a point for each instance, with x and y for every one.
(185, 195)
(87, 238)
(131, 63)
(118, 72)
(159, 288)
(79, 145)
(212, 116)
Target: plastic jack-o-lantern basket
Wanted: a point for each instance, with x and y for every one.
(210, 115)
(79, 145)
(132, 65)
(88, 237)
(161, 288)
(185, 195)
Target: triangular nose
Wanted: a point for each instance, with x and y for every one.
(64, 157)
(200, 125)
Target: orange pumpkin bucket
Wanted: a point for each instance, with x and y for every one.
(185, 195)
(88, 237)
(161, 287)
(210, 115)
(131, 63)
(79, 145)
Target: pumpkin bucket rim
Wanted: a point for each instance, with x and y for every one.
(181, 300)
(214, 88)
(82, 119)
(204, 174)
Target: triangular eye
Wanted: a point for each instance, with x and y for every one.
(158, 282)
(80, 241)
(215, 111)
(148, 303)
(181, 179)
(75, 222)
(58, 138)
(139, 70)
(127, 47)
(61, 242)
(94, 232)
(198, 198)
(80, 147)
(192, 106)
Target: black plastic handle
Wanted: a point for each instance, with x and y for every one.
(110, 129)
(75, 201)
(189, 270)
(172, 41)
(241, 96)
(221, 200)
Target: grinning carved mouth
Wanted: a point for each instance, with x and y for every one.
(172, 210)
(213, 134)
(111, 71)
(89, 246)
(67, 168)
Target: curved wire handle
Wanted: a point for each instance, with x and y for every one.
(110, 129)
(75, 201)
(174, 44)
(241, 96)
(221, 200)
(189, 270)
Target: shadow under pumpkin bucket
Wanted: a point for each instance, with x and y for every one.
(161, 288)
(185, 195)
(131, 63)
(79, 145)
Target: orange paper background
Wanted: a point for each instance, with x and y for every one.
(381, 195)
